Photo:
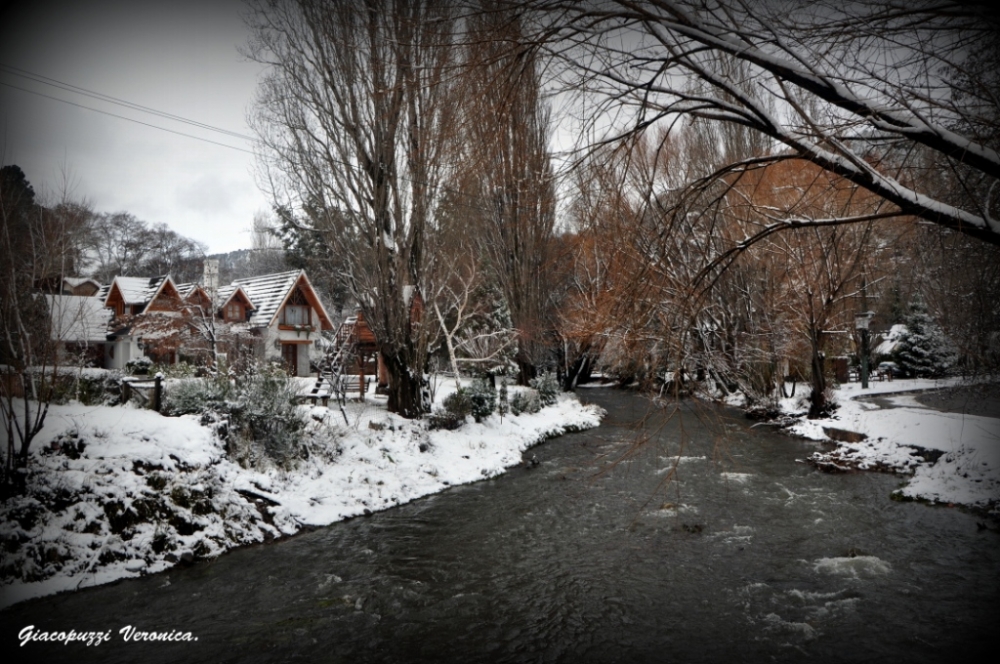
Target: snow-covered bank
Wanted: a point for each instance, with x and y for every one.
(131, 492)
(951, 457)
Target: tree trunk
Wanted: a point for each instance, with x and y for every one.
(405, 398)
(817, 398)
(526, 369)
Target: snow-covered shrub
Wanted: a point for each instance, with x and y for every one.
(264, 420)
(455, 408)
(140, 366)
(196, 396)
(483, 396)
(96, 388)
(923, 349)
(458, 403)
(525, 401)
(177, 370)
(547, 387)
(503, 398)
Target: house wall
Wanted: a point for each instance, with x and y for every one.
(273, 337)
(119, 352)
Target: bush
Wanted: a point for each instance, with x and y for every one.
(258, 417)
(503, 399)
(525, 401)
(444, 420)
(547, 387)
(140, 366)
(458, 404)
(484, 398)
(264, 420)
(196, 396)
(99, 388)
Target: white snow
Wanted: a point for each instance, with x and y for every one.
(172, 477)
(968, 470)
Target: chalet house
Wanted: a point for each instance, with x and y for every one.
(60, 285)
(356, 334)
(282, 310)
(158, 319)
(129, 297)
(79, 326)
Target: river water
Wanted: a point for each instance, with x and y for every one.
(709, 542)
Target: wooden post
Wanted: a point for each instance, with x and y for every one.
(361, 377)
(126, 392)
(158, 392)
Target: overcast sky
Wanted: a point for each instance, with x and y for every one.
(179, 57)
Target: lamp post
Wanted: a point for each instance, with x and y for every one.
(861, 321)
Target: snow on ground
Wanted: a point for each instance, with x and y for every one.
(951, 457)
(131, 492)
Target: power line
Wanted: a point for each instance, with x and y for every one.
(69, 87)
(122, 117)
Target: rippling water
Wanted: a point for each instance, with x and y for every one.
(709, 542)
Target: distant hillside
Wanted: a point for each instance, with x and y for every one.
(244, 263)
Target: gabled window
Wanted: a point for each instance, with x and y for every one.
(234, 312)
(297, 311)
(295, 314)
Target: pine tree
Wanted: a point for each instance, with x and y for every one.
(924, 350)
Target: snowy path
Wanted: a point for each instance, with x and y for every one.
(953, 457)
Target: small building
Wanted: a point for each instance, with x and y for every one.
(134, 334)
(79, 326)
(284, 311)
(356, 333)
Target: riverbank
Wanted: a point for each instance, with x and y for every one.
(125, 492)
(939, 433)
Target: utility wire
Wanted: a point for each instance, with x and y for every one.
(69, 87)
(122, 117)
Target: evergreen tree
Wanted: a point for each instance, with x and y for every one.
(924, 350)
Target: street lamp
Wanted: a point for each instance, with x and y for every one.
(861, 321)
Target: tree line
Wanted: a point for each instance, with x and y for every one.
(746, 178)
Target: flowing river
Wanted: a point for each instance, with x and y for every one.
(709, 542)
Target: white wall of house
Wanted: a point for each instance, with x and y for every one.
(119, 352)
(273, 338)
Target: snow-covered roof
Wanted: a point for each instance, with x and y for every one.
(135, 290)
(76, 282)
(186, 289)
(78, 318)
(269, 292)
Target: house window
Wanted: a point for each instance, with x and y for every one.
(295, 314)
(234, 312)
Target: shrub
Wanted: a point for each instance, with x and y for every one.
(444, 420)
(196, 396)
(484, 398)
(458, 404)
(264, 420)
(503, 399)
(258, 417)
(140, 366)
(525, 401)
(547, 387)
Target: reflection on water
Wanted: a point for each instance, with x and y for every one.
(723, 548)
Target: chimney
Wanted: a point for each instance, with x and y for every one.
(211, 278)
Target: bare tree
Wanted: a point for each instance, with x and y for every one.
(267, 254)
(509, 126)
(120, 244)
(37, 244)
(355, 124)
(877, 93)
